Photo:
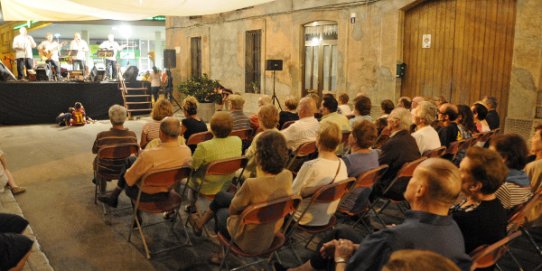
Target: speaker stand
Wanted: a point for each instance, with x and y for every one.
(274, 97)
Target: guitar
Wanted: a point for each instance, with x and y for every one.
(48, 54)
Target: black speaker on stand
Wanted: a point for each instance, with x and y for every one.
(274, 65)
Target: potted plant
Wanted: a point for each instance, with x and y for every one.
(203, 89)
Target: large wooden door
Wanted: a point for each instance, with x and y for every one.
(470, 52)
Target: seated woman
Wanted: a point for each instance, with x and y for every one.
(361, 159)
(481, 216)
(192, 124)
(517, 188)
(221, 146)
(161, 109)
(268, 117)
(290, 114)
(325, 169)
(362, 109)
(272, 181)
(426, 136)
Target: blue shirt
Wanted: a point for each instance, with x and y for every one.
(420, 230)
(357, 163)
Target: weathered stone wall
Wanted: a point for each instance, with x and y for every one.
(368, 50)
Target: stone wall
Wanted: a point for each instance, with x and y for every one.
(368, 50)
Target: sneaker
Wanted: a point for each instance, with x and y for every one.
(18, 190)
(109, 200)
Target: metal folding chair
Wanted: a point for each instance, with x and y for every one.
(158, 179)
(287, 124)
(261, 213)
(488, 255)
(197, 138)
(438, 152)
(300, 155)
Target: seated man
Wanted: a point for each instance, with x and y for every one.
(329, 108)
(306, 128)
(433, 188)
(14, 247)
(448, 132)
(240, 120)
(167, 155)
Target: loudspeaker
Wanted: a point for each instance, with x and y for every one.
(130, 75)
(400, 70)
(170, 59)
(273, 65)
(5, 74)
(43, 72)
(97, 73)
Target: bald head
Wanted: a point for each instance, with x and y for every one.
(306, 107)
(170, 127)
(441, 183)
(448, 112)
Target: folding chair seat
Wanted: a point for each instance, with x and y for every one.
(488, 255)
(261, 213)
(364, 181)
(287, 124)
(325, 194)
(438, 152)
(110, 163)
(169, 178)
(303, 153)
(394, 191)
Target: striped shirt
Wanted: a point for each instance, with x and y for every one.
(151, 130)
(113, 136)
(240, 120)
(516, 190)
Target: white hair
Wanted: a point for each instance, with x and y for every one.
(117, 114)
(403, 116)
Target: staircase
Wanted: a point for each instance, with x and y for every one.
(136, 97)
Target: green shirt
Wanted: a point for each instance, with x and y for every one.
(210, 151)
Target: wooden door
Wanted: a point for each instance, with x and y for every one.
(470, 53)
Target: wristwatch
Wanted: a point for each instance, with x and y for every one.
(340, 260)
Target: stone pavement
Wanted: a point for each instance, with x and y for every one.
(38, 260)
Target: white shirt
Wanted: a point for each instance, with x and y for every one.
(50, 46)
(81, 46)
(301, 131)
(426, 138)
(315, 173)
(111, 45)
(155, 79)
(345, 109)
(23, 45)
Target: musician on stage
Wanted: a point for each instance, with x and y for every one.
(49, 51)
(23, 44)
(111, 62)
(82, 48)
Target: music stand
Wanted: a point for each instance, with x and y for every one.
(274, 65)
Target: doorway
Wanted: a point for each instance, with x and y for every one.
(320, 57)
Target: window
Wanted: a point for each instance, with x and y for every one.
(253, 61)
(195, 56)
(321, 56)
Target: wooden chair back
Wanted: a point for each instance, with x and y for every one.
(484, 137)
(197, 138)
(453, 149)
(438, 152)
(226, 166)
(333, 191)
(165, 177)
(408, 168)
(488, 255)
(271, 211)
(400, 181)
(118, 151)
(287, 124)
(368, 178)
(306, 149)
(521, 216)
(244, 134)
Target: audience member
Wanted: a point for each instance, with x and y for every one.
(386, 106)
(306, 128)
(326, 169)
(6, 179)
(479, 112)
(328, 109)
(416, 101)
(418, 260)
(534, 168)
(221, 146)
(481, 216)
(465, 122)
(240, 120)
(79, 117)
(344, 108)
(161, 109)
(433, 188)
(168, 154)
(361, 159)
(362, 109)
(517, 188)
(192, 124)
(398, 150)
(272, 182)
(223, 102)
(439, 100)
(404, 102)
(426, 137)
(155, 83)
(448, 132)
(492, 117)
(262, 100)
(63, 119)
(15, 248)
(268, 117)
(290, 113)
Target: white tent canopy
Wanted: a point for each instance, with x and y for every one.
(126, 10)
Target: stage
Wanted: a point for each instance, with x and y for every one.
(41, 102)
